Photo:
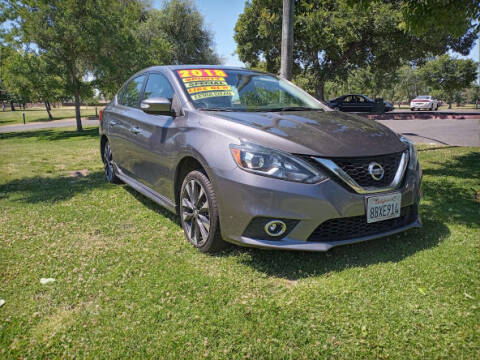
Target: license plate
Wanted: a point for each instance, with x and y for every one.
(383, 207)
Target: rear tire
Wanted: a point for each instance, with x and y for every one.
(412, 109)
(199, 213)
(108, 166)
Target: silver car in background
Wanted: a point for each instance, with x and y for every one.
(247, 158)
(424, 102)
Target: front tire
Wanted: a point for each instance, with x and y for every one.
(109, 169)
(199, 213)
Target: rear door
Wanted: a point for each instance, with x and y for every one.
(364, 105)
(122, 124)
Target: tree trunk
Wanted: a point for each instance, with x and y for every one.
(12, 107)
(47, 107)
(77, 108)
(320, 90)
(449, 105)
(287, 40)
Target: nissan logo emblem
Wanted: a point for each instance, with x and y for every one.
(376, 171)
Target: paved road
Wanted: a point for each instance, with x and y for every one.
(45, 125)
(438, 131)
(442, 110)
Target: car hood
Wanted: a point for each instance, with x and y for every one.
(322, 133)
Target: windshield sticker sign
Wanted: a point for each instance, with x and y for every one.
(208, 88)
(216, 82)
(208, 94)
(201, 73)
(205, 83)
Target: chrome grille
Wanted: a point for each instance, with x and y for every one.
(357, 169)
(354, 173)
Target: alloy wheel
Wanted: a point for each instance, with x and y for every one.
(195, 212)
(108, 162)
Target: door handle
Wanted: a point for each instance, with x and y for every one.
(135, 130)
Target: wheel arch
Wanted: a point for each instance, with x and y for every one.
(187, 164)
(103, 140)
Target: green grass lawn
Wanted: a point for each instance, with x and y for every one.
(40, 114)
(128, 285)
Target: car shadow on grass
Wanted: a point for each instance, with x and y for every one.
(39, 189)
(90, 132)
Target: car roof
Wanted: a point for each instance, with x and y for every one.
(197, 66)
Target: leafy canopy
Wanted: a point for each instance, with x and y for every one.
(333, 38)
(448, 76)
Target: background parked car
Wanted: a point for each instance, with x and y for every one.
(357, 103)
(424, 102)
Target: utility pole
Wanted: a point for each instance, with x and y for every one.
(478, 74)
(287, 39)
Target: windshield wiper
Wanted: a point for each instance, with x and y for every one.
(219, 109)
(292, 108)
(285, 108)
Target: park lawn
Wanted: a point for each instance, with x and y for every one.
(38, 114)
(128, 285)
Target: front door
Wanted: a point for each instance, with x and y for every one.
(154, 140)
(349, 103)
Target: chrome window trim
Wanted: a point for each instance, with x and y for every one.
(337, 170)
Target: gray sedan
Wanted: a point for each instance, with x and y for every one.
(248, 158)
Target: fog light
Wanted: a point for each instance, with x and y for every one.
(275, 228)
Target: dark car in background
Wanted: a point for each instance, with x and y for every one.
(357, 103)
(246, 157)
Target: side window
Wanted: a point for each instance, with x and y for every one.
(158, 86)
(131, 94)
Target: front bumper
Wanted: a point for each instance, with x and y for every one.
(242, 196)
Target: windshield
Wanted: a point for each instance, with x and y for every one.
(243, 90)
(423, 97)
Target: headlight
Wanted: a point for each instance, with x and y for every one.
(273, 163)
(412, 150)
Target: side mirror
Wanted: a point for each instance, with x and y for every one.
(157, 106)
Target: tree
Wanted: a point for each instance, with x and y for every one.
(71, 34)
(174, 34)
(333, 38)
(28, 75)
(181, 24)
(472, 95)
(449, 76)
(449, 17)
